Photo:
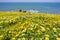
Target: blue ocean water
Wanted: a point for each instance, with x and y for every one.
(41, 7)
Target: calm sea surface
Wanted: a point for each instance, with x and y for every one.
(41, 7)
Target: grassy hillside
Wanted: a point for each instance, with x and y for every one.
(24, 26)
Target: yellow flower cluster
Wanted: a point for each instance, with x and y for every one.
(23, 26)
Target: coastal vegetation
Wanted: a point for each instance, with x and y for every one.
(26, 26)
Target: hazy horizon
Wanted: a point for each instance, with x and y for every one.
(29, 0)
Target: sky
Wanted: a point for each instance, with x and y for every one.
(29, 0)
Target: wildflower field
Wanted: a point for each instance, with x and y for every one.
(25, 26)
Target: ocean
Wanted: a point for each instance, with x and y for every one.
(41, 7)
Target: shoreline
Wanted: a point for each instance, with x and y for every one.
(33, 12)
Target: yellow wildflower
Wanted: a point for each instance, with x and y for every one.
(47, 35)
(24, 30)
(48, 29)
(1, 22)
(46, 38)
(32, 38)
(38, 31)
(23, 24)
(54, 29)
(17, 35)
(40, 38)
(31, 28)
(22, 34)
(13, 39)
(1, 36)
(0, 26)
(58, 38)
(59, 34)
(43, 29)
(7, 21)
(23, 38)
(55, 35)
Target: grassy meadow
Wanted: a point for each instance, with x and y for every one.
(26, 26)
